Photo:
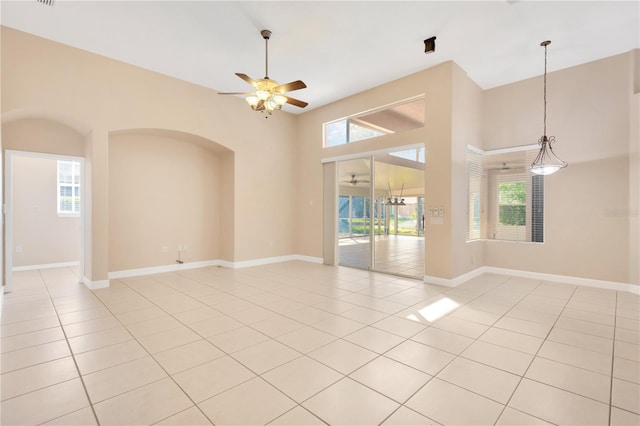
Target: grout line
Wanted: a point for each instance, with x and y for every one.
(613, 358)
(73, 356)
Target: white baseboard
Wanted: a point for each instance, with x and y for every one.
(588, 282)
(162, 269)
(95, 285)
(208, 263)
(45, 266)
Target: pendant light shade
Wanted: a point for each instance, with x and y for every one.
(546, 162)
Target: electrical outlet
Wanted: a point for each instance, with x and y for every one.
(18, 249)
(165, 249)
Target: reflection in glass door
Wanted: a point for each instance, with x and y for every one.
(381, 199)
(354, 213)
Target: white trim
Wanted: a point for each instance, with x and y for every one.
(209, 263)
(370, 153)
(95, 285)
(565, 279)
(162, 269)
(45, 266)
(503, 150)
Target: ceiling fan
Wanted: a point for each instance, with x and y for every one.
(353, 181)
(268, 95)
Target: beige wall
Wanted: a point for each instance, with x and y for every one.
(164, 192)
(42, 236)
(274, 170)
(103, 96)
(435, 83)
(588, 113)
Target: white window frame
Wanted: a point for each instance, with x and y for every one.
(74, 185)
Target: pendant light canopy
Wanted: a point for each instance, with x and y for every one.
(546, 162)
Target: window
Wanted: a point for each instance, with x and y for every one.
(68, 188)
(404, 115)
(506, 201)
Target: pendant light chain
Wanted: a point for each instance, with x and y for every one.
(544, 133)
(266, 57)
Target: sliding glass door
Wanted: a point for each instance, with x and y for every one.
(381, 212)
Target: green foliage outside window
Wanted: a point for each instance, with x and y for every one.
(511, 201)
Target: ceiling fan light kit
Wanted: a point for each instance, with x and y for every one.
(546, 162)
(268, 95)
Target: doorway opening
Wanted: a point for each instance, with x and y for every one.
(44, 217)
(381, 212)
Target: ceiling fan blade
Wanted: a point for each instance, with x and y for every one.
(290, 87)
(235, 93)
(296, 102)
(247, 79)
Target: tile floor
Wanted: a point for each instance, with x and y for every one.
(395, 254)
(303, 344)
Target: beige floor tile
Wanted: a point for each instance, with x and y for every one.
(253, 315)
(406, 417)
(343, 356)
(100, 339)
(349, 403)
(558, 406)
(601, 330)
(215, 325)
(511, 417)
(450, 404)
(44, 404)
(309, 315)
(374, 339)
(302, 378)
(338, 326)
(522, 326)
(487, 381)
(444, 340)
(187, 356)
(297, 416)
(577, 357)
(629, 336)
(39, 376)
(573, 379)
(164, 340)
(589, 316)
(422, 357)
(277, 326)
(528, 314)
(512, 340)
(499, 357)
(237, 339)
(196, 315)
(582, 340)
(364, 315)
(627, 350)
(626, 369)
(84, 315)
(89, 362)
(122, 378)
(623, 418)
(391, 378)
(34, 338)
(462, 327)
(265, 356)
(138, 315)
(306, 339)
(8, 330)
(145, 405)
(83, 417)
(156, 325)
(189, 417)
(399, 326)
(91, 326)
(212, 378)
(334, 306)
(626, 395)
(628, 324)
(475, 315)
(34, 355)
(230, 407)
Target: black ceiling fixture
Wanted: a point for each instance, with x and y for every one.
(430, 45)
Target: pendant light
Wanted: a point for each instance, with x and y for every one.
(546, 162)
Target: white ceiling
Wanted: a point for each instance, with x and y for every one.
(338, 48)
